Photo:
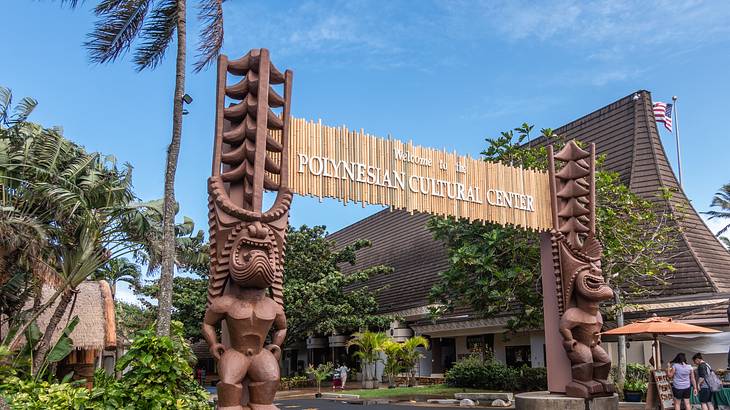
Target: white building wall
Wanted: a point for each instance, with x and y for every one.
(537, 351)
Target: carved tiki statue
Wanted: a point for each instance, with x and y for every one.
(246, 242)
(577, 258)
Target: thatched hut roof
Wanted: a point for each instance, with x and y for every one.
(94, 306)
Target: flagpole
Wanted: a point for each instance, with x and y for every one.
(676, 137)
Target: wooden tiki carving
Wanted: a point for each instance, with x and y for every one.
(247, 243)
(577, 258)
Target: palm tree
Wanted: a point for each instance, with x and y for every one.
(410, 355)
(150, 25)
(119, 270)
(393, 364)
(191, 248)
(114, 271)
(721, 200)
(369, 345)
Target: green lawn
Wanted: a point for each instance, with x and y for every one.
(436, 390)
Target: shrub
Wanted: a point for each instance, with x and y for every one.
(159, 376)
(491, 374)
(41, 395)
(532, 379)
(475, 373)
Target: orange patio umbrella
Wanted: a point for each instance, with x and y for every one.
(657, 326)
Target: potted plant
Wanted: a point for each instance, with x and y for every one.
(636, 383)
(320, 373)
(634, 390)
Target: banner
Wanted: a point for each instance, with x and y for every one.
(352, 166)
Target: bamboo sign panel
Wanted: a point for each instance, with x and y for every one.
(353, 166)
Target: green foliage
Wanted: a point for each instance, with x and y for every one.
(393, 364)
(402, 356)
(493, 375)
(288, 383)
(319, 298)
(721, 201)
(496, 270)
(42, 395)
(638, 237)
(189, 299)
(369, 345)
(321, 373)
(532, 379)
(637, 377)
(158, 375)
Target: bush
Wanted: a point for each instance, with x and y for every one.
(159, 376)
(532, 379)
(41, 395)
(491, 374)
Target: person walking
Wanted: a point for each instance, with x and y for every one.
(343, 374)
(683, 379)
(703, 371)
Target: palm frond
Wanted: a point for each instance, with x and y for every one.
(71, 3)
(119, 22)
(24, 108)
(6, 99)
(156, 35)
(210, 14)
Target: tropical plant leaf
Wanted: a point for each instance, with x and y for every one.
(119, 23)
(156, 35)
(65, 344)
(210, 15)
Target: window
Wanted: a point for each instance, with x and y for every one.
(518, 356)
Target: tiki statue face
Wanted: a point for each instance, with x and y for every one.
(590, 285)
(253, 256)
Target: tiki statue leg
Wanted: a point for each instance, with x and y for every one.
(583, 384)
(232, 368)
(602, 368)
(264, 381)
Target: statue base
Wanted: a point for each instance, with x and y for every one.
(543, 400)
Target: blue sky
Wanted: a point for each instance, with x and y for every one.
(443, 73)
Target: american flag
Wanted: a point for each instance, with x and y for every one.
(663, 113)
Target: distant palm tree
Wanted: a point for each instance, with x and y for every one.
(410, 355)
(369, 345)
(721, 200)
(150, 26)
(119, 270)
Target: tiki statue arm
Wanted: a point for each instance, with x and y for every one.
(210, 321)
(279, 335)
(566, 330)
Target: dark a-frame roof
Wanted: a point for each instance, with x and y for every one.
(626, 133)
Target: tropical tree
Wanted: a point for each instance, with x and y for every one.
(149, 27)
(410, 354)
(393, 364)
(369, 346)
(319, 298)
(115, 271)
(72, 202)
(119, 270)
(721, 200)
(496, 270)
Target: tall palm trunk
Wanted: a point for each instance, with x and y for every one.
(45, 343)
(168, 213)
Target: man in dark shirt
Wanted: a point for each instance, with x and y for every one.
(705, 394)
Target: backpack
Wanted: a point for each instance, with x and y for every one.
(712, 380)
